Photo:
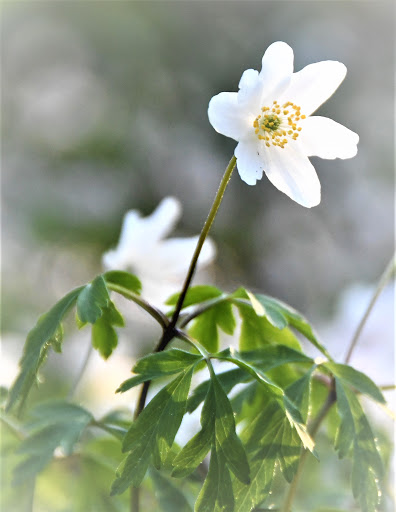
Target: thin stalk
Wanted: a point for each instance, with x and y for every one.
(313, 430)
(204, 233)
(81, 372)
(158, 315)
(383, 281)
(170, 331)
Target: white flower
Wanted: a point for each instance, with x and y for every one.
(271, 119)
(161, 264)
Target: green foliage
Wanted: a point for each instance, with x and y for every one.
(275, 316)
(56, 425)
(206, 325)
(273, 405)
(151, 436)
(38, 341)
(196, 295)
(355, 434)
(91, 301)
(227, 453)
(356, 379)
(123, 280)
(158, 365)
(104, 336)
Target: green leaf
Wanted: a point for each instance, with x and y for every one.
(158, 365)
(262, 444)
(279, 315)
(123, 279)
(356, 379)
(355, 431)
(225, 436)
(272, 356)
(153, 433)
(227, 380)
(216, 494)
(257, 331)
(299, 392)
(169, 497)
(205, 326)
(167, 362)
(300, 323)
(278, 394)
(195, 295)
(193, 453)
(93, 298)
(104, 336)
(57, 424)
(36, 346)
(269, 309)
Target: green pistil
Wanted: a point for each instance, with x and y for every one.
(271, 122)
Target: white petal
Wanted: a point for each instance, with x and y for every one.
(292, 173)
(115, 260)
(227, 116)
(314, 84)
(277, 70)
(248, 81)
(249, 163)
(325, 138)
(140, 231)
(173, 256)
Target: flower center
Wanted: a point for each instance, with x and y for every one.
(277, 125)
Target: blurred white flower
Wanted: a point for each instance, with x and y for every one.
(270, 118)
(161, 264)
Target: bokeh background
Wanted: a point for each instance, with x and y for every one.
(104, 109)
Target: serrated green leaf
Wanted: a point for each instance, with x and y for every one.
(300, 323)
(104, 337)
(276, 313)
(114, 316)
(153, 433)
(195, 295)
(225, 436)
(93, 298)
(272, 356)
(367, 468)
(216, 494)
(57, 339)
(262, 443)
(124, 279)
(227, 380)
(169, 497)
(264, 306)
(257, 332)
(167, 362)
(299, 392)
(57, 424)
(158, 365)
(36, 346)
(132, 382)
(356, 379)
(193, 453)
(205, 326)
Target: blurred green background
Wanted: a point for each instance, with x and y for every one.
(104, 109)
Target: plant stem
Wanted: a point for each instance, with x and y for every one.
(383, 281)
(314, 427)
(170, 331)
(81, 372)
(204, 233)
